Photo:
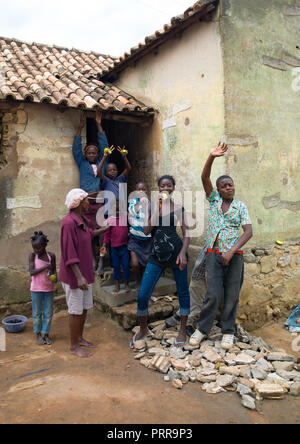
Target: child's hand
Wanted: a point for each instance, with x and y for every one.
(108, 151)
(98, 118)
(220, 150)
(123, 151)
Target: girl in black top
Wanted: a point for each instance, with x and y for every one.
(168, 250)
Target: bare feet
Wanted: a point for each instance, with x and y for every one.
(84, 343)
(117, 287)
(40, 339)
(127, 288)
(80, 352)
(180, 340)
(47, 340)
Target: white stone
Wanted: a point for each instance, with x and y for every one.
(243, 359)
(225, 380)
(248, 402)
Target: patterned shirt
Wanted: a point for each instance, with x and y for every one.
(137, 220)
(225, 225)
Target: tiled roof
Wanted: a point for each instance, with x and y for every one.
(69, 78)
(198, 10)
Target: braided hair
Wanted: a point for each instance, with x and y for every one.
(39, 236)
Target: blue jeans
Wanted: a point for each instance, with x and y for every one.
(150, 279)
(120, 255)
(42, 311)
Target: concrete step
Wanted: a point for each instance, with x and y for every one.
(126, 315)
(105, 295)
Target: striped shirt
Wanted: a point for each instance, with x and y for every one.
(137, 220)
(225, 226)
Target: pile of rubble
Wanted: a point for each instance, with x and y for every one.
(251, 368)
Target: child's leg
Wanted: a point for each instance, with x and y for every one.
(149, 281)
(47, 314)
(215, 277)
(181, 278)
(126, 266)
(117, 267)
(232, 285)
(37, 307)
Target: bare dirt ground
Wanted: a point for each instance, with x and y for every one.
(47, 385)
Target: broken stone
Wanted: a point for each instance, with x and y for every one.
(206, 379)
(295, 389)
(248, 402)
(173, 375)
(147, 362)
(212, 356)
(206, 363)
(247, 382)
(286, 366)
(264, 365)
(157, 351)
(271, 391)
(234, 371)
(244, 359)
(258, 373)
(230, 359)
(281, 357)
(190, 348)
(140, 355)
(152, 343)
(245, 371)
(179, 365)
(161, 363)
(177, 383)
(139, 345)
(184, 378)
(158, 335)
(195, 361)
(212, 388)
(206, 371)
(178, 353)
(225, 380)
(260, 343)
(170, 334)
(288, 375)
(243, 346)
(166, 378)
(243, 389)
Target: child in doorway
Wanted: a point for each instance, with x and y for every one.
(117, 237)
(88, 160)
(42, 266)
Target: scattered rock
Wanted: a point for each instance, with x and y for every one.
(286, 366)
(281, 357)
(271, 391)
(248, 402)
(244, 359)
(177, 384)
(161, 363)
(295, 389)
(225, 380)
(212, 388)
(139, 345)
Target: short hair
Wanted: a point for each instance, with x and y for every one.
(166, 177)
(221, 179)
(90, 145)
(39, 236)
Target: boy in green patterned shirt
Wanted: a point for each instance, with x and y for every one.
(225, 261)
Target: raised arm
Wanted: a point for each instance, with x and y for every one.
(219, 151)
(77, 145)
(124, 153)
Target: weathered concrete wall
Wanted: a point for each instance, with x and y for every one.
(38, 173)
(262, 107)
(183, 80)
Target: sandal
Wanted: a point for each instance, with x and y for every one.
(133, 340)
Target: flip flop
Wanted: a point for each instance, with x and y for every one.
(133, 340)
(180, 343)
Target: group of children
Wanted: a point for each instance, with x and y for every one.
(144, 234)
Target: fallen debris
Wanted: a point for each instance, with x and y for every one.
(251, 368)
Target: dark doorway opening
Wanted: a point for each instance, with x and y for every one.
(138, 140)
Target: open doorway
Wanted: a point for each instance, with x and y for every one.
(138, 140)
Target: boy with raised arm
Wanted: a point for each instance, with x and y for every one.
(225, 261)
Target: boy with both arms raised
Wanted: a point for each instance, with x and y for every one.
(225, 261)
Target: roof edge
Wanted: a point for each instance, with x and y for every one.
(178, 23)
